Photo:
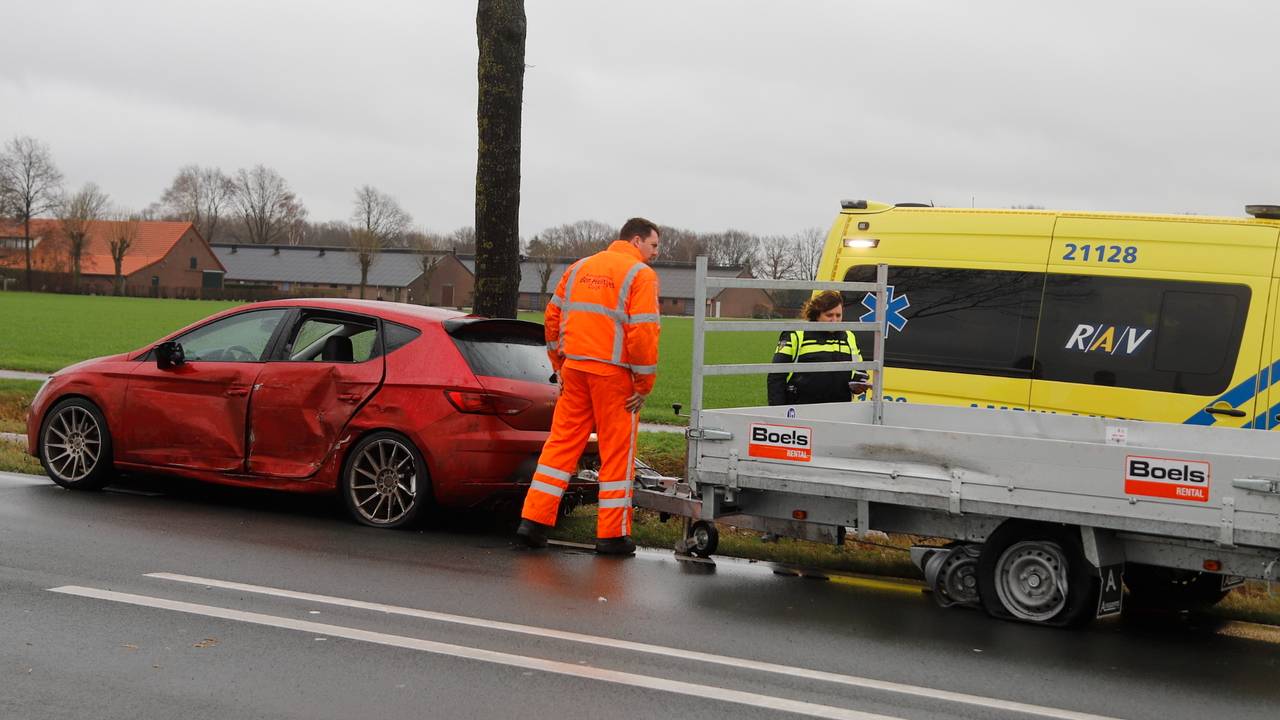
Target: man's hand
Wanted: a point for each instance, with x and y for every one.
(858, 388)
(635, 402)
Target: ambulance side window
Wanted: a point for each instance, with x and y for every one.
(1164, 335)
(980, 322)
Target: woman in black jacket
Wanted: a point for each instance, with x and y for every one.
(801, 346)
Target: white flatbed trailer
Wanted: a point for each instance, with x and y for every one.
(1046, 511)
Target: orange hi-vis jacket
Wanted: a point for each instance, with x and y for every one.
(604, 316)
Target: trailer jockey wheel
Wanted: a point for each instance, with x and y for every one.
(703, 538)
(1037, 573)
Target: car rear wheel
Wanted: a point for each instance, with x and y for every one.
(75, 445)
(384, 481)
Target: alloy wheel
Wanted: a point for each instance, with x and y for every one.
(73, 443)
(383, 482)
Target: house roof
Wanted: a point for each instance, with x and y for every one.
(154, 241)
(675, 280)
(304, 264)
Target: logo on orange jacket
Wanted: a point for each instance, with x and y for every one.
(597, 282)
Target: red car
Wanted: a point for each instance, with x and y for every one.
(392, 406)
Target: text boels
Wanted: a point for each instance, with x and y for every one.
(1167, 478)
(760, 434)
(1142, 469)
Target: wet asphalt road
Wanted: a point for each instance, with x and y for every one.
(331, 620)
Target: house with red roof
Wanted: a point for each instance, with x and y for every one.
(166, 259)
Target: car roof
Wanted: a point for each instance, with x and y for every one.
(415, 315)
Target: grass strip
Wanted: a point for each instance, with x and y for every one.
(15, 397)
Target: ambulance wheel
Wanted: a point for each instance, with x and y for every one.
(1036, 573)
(704, 538)
(1160, 588)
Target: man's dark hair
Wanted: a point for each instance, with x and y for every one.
(637, 226)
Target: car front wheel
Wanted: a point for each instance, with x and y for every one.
(75, 445)
(384, 481)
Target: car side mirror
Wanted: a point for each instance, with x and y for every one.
(170, 355)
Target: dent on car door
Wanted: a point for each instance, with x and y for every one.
(193, 415)
(328, 367)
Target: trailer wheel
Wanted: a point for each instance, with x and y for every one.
(1160, 588)
(1038, 574)
(704, 538)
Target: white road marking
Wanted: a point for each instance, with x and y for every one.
(704, 692)
(741, 663)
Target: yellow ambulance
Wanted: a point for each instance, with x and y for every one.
(1173, 318)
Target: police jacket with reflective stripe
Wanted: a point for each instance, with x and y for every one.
(802, 346)
(604, 317)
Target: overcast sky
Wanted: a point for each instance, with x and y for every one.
(700, 114)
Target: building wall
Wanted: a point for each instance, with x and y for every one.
(175, 271)
(743, 302)
(449, 271)
(674, 306)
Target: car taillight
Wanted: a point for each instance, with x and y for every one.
(480, 403)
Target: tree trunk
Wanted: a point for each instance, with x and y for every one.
(26, 235)
(77, 250)
(119, 279)
(500, 30)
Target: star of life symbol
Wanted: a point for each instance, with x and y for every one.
(893, 317)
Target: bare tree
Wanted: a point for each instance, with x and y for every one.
(199, 195)
(462, 240)
(265, 205)
(546, 256)
(681, 245)
(330, 233)
(810, 243)
(731, 247)
(367, 246)
(427, 247)
(30, 185)
(380, 215)
(500, 34)
(77, 214)
(579, 239)
(123, 233)
(776, 259)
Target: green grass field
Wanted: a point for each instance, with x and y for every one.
(15, 396)
(42, 332)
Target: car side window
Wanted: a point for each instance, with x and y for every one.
(326, 338)
(239, 338)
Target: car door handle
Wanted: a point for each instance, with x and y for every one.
(237, 391)
(1228, 411)
(349, 397)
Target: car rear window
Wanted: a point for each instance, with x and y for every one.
(511, 349)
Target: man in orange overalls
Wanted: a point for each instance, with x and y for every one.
(602, 329)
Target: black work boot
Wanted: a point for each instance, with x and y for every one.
(532, 534)
(615, 546)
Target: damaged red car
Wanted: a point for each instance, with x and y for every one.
(394, 407)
